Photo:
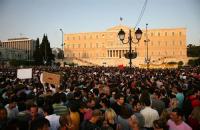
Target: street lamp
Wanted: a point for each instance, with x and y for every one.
(138, 35)
(62, 44)
(147, 59)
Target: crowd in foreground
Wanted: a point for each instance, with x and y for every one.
(101, 98)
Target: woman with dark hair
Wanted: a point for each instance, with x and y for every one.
(40, 124)
(160, 125)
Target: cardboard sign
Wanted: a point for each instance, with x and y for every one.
(24, 73)
(51, 78)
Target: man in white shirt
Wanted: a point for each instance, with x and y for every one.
(53, 118)
(149, 114)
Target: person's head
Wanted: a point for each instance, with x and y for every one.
(173, 103)
(133, 122)
(34, 111)
(105, 102)
(120, 99)
(196, 113)
(125, 112)
(110, 115)
(176, 115)
(96, 115)
(40, 124)
(136, 105)
(159, 125)
(48, 110)
(65, 121)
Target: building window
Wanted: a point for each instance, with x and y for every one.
(97, 45)
(158, 34)
(180, 34)
(97, 36)
(151, 34)
(102, 35)
(165, 33)
(84, 45)
(172, 33)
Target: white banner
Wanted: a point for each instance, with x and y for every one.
(24, 73)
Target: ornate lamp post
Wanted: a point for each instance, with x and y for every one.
(138, 35)
(62, 44)
(147, 59)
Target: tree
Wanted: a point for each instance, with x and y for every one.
(36, 54)
(193, 51)
(195, 62)
(180, 63)
(46, 51)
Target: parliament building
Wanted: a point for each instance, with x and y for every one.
(105, 48)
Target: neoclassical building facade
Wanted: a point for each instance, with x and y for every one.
(18, 48)
(105, 48)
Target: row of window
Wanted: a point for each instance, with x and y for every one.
(166, 43)
(111, 35)
(120, 53)
(158, 43)
(91, 45)
(85, 55)
(165, 34)
(16, 45)
(85, 37)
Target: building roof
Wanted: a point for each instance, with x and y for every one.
(117, 28)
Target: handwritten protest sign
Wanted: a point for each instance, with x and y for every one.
(51, 78)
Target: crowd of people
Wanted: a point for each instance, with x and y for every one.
(101, 98)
